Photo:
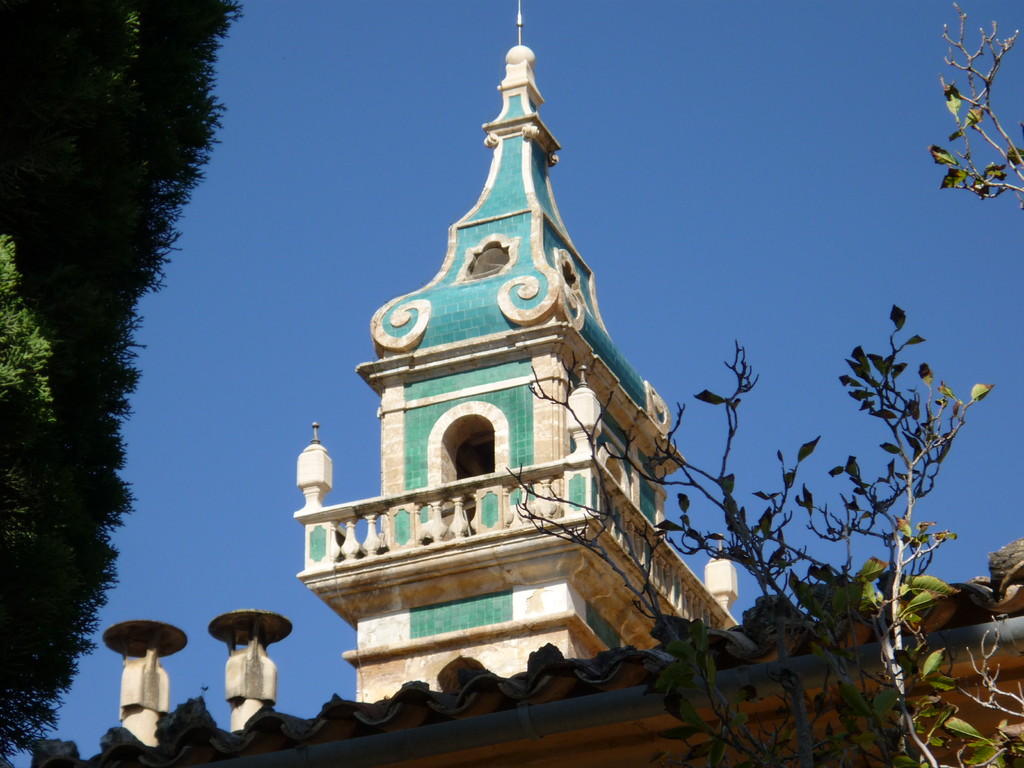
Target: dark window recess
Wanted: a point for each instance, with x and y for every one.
(490, 261)
(568, 275)
(457, 673)
(468, 448)
(475, 456)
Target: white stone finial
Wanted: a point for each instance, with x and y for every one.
(585, 414)
(315, 472)
(145, 686)
(521, 54)
(721, 580)
(519, 64)
(250, 677)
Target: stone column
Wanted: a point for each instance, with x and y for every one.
(721, 581)
(250, 678)
(584, 417)
(145, 687)
(314, 473)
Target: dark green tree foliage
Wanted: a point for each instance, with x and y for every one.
(107, 120)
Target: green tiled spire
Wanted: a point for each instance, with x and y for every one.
(510, 260)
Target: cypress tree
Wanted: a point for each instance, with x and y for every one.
(108, 117)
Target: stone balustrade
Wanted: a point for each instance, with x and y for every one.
(565, 492)
(470, 507)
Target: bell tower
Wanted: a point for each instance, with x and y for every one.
(444, 571)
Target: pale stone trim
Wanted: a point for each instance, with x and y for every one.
(492, 174)
(385, 629)
(530, 601)
(657, 409)
(392, 440)
(472, 637)
(572, 295)
(479, 389)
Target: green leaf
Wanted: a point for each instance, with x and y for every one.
(980, 391)
(974, 116)
(920, 602)
(953, 100)
(885, 701)
(941, 683)
(684, 502)
(854, 700)
(728, 483)
(872, 569)
(942, 156)
(943, 389)
(983, 756)
(925, 373)
(709, 397)
(898, 317)
(681, 649)
(835, 471)
(851, 467)
(963, 728)
(699, 633)
(689, 715)
(738, 719)
(933, 662)
(717, 753)
(931, 584)
(807, 449)
(954, 178)
(993, 171)
(668, 525)
(890, 448)
(902, 761)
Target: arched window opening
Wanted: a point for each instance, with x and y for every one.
(469, 440)
(469, 443)
(568, 274)
(490, 261)
(457, 673)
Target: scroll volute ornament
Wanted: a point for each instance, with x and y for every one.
(415, 311)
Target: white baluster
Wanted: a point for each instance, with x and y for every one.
(372, 543)
(460, 523)
(351, 549)
(425, 529)
(521, 516)
(437, 520)
(387, 539)
(435, 529)
(546, 507)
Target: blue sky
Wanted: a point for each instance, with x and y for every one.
(742, 170)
